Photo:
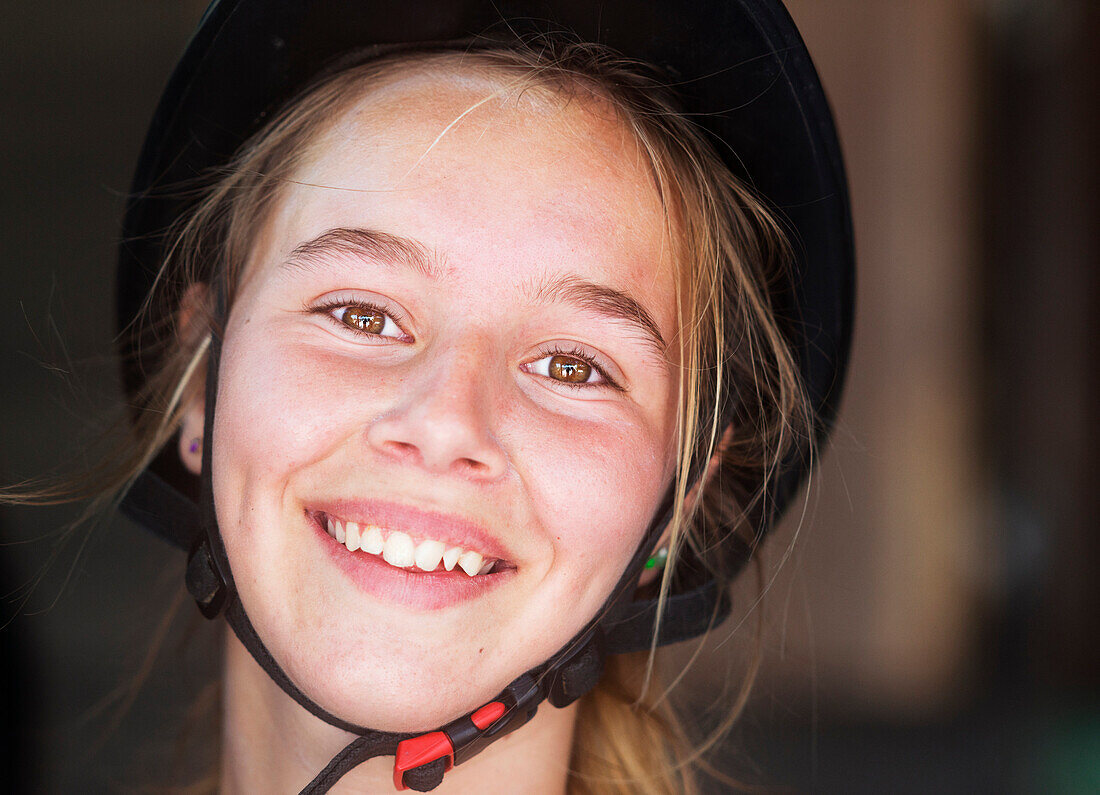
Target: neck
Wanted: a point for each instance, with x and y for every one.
(272, 744)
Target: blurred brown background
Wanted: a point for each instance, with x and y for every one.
(934, 627)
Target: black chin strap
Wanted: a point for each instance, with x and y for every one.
(359, 750)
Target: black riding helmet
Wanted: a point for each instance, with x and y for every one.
(741, 72)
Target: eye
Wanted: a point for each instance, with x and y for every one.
(565, 368)
(573, 368)
(364, 319)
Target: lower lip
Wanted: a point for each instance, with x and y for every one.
(420, 590)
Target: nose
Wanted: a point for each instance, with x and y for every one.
(442, 422)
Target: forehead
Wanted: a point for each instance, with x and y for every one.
(479, 171)
(455, 116)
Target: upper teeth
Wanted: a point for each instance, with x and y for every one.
(398, 549)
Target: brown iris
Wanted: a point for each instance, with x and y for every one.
(367, 320)
(570, 370)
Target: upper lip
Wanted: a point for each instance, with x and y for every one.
(419, 523)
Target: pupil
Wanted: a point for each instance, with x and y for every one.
(371, 322)
(573, 371)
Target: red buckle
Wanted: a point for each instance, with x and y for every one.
(466, 737)
(426, 748)
(488, 715)
(417, 751)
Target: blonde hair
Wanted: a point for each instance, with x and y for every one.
(732, 255)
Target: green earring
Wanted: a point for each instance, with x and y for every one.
(657, 559)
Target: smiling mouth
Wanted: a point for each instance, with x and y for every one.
(405, 552)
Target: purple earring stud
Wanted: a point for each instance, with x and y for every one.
(194, 447)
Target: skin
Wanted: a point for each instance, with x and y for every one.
(455, 414)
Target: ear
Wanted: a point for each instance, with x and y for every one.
(649, 575)
(189, 324)
(191, 432)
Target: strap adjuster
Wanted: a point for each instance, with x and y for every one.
(416, 764)
(204, 581)
(420, 762)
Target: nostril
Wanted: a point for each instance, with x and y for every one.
(402, 449)
(438, 443)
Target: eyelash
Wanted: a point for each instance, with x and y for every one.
(327, 308)
(577, 353)
(331, 306)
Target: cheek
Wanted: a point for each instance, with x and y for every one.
(283, 407)
(594, 486)
(279, 410)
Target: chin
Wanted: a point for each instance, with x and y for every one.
(401, 695)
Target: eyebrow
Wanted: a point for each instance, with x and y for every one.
(602, 300)
(382, 247)
(363, 244)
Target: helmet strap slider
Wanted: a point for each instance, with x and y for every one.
(204, 581)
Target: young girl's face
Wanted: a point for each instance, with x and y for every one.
(452, 334)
